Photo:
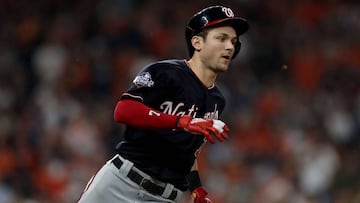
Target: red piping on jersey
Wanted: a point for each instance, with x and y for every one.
(137, 114)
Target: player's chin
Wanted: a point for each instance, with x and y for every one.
(223, 67)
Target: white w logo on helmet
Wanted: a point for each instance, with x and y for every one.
(228, 12)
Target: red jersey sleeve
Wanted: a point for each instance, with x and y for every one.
(137, 114)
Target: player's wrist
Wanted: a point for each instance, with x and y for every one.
(183, 121)
(194, 180)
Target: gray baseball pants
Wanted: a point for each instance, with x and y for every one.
(112, 185)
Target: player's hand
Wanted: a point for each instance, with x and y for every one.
(199, 195)
(205, 127)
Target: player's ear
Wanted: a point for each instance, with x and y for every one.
(196, 42)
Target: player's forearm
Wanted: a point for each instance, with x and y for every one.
(194, 177)
(198, 192)
(136, 114)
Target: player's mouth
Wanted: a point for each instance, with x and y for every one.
(226, 57)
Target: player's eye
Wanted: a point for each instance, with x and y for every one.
(219, 38)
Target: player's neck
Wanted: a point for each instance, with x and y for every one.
(205, 75)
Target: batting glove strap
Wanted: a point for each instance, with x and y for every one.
(199, 195)
(205, 127)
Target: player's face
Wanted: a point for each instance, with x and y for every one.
(218, 48)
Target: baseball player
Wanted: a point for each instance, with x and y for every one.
(170, 110)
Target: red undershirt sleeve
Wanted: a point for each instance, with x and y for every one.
(136, 114)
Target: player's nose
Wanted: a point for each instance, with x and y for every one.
(229, 45)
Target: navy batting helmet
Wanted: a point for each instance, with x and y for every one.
(214, 16)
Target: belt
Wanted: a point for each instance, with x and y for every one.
(145, 183)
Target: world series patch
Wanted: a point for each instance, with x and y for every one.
(143, 80)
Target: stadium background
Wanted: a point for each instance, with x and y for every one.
(293, 96)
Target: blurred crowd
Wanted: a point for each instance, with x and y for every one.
(293, 96)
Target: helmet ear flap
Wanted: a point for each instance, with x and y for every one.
(237, 49)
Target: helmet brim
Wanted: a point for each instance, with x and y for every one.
(239, 24)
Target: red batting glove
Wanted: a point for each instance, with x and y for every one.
(199, 195)
(205, 127)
